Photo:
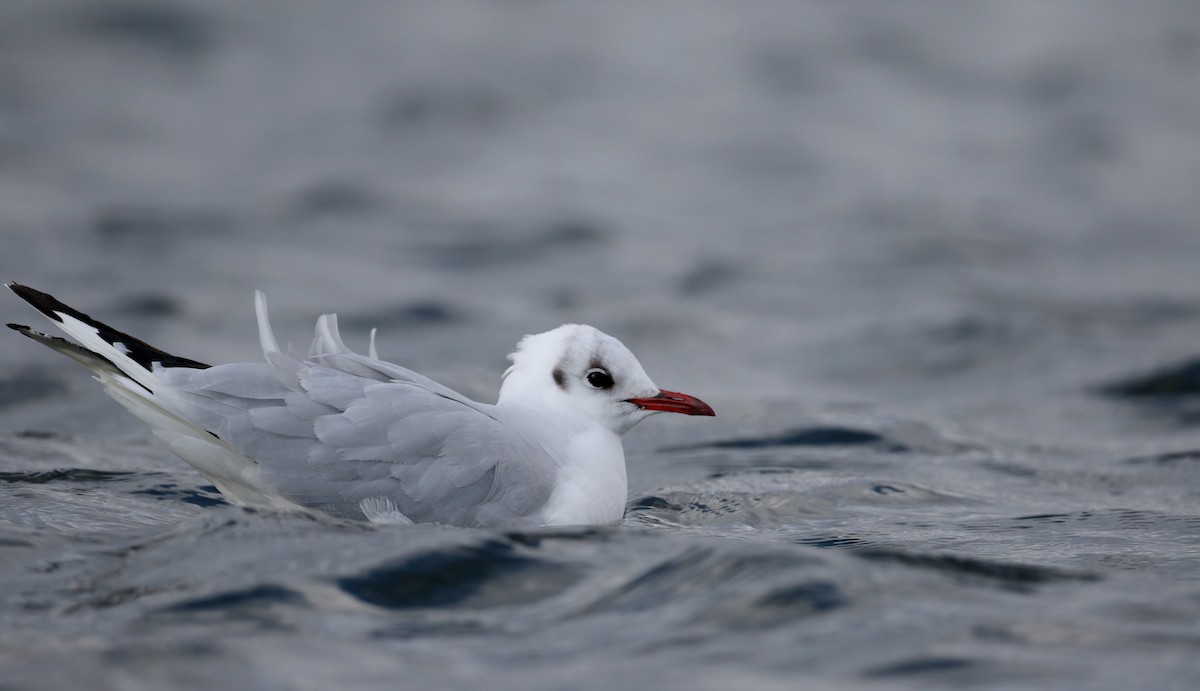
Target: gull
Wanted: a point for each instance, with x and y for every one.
(360, 438)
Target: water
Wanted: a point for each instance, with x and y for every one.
(934, 266)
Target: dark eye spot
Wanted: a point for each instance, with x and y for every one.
(599, 379)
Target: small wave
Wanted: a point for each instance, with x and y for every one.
(39, 477)
(921, 666)
(807, 436)
(1178, 380)
(206, 496)
(494, 573)
(255, 596)
(1011, 576)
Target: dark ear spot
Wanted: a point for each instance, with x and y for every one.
(560, 378)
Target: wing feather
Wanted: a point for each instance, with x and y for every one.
(338, 431)
(241, 380)
(281, 420)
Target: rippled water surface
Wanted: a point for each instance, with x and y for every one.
(934, 266)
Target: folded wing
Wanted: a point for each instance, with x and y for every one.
(365, 439)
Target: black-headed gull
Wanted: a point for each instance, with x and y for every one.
(361, 438)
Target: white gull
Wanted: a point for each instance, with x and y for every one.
(361, 438)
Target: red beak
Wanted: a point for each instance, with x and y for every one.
(673, 402)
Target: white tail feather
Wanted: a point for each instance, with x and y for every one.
(265, 336)
(234, 474)
(88, 337)
(328, 341)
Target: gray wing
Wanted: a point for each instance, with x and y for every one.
(349, 434)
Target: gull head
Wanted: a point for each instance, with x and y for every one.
(584, 370)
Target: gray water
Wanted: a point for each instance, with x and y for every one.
(936, 266)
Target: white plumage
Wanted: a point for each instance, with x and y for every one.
(361, 438)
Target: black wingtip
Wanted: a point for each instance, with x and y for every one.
(43, 302)
(141, 352)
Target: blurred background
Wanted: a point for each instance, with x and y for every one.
(965, 209)
(936, 265)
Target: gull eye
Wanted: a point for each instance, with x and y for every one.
(599, 379)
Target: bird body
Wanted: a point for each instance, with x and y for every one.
(361, 438)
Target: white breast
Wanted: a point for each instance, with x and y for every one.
(591, 487)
